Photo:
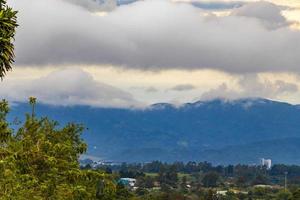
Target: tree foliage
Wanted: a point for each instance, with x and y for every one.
(40, 161)
(210, 179)
(8, 24)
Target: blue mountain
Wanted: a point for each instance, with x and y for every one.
(218, 131)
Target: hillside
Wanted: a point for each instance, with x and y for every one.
(219, 131)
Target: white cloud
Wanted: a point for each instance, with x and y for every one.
(67, 87)
(155, 35)
(151, 89)
(251, 86)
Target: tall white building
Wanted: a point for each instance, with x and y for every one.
(266, 162)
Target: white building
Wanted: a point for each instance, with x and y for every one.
(266, 162)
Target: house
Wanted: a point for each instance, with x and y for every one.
(128, 182)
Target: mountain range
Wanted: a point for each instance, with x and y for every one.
(218, 131)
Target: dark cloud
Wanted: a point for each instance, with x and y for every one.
(252, 86)
(154, 35)
(100, 5)
(183, 87)
(95, 5)
(68, 87)
(268, 13)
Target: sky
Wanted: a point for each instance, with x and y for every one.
(135, 53)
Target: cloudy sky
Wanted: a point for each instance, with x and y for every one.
(134, 53)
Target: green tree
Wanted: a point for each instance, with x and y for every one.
(145, 182)
(32, 102)
(5, 131)
(211, 195)
(123, 193)
(284, 195)
(210, 179)
(260, 179)
(8, 24)
(230, 196)
(296, 195)
(40, 161)
(241, 181)
(168, 176)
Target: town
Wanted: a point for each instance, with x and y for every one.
(203, 180)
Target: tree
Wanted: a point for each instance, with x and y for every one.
(296, 195)
(183, 184)
(145, 182)
(168, 176)
(284, 195)
(210, 179)
(32, 102)
(241, 181)
(211, 195)
(261, 193)
(8, 24)
(230, 196)
(5, 131)
(40, 161)
(123, 193)
(260, 179)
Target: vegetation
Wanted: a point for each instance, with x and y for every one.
(196, 181)
(40, 161)
(8, 24)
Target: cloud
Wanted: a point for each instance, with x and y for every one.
(151, 89)
(153, 35)
(268, 13)
(67, 87)
(283, 87)
(251, 86)
(145, 89)
(95, 5)
(183, 87)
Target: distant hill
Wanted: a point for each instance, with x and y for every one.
(219, 131)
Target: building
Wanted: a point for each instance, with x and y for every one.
(129, 182)
(266, 162)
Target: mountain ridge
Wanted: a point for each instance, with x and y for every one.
(169, 133)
